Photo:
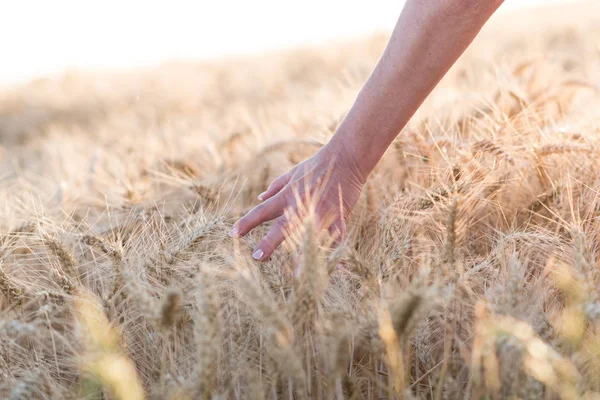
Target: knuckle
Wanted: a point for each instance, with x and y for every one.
(282, 178)
(259, 211)
(254, 215)
(267, 245)
(270, 244)
(279, 181)
(287, 194)
(274, 184)
(280, 223)
(242, 222)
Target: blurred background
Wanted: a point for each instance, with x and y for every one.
(40, 38)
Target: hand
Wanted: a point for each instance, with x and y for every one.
(326, 176)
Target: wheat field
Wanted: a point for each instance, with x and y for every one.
(471, 268)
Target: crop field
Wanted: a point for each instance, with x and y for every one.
(470, 271)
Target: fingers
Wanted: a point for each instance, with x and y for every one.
(275, 202)
(265, 211)
(271, 241)
(331, 219)
(276, 236)
(274, 187)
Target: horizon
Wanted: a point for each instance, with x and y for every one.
(70, 35)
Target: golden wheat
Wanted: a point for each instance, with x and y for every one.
(470, 268)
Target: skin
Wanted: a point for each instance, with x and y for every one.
(429, 37)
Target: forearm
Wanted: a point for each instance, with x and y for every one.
(428, 38)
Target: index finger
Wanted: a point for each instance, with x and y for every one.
(266, 211)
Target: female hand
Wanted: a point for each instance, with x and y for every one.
(427, 40)
(331, 176)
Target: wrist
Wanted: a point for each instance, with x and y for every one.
(355, 151)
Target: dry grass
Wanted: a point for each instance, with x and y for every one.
(470, 270)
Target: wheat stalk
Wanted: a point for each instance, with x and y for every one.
(66, 258)
(495, 149)
(12, 293)
(558, 148)
(170, 308)
(450, 241)
(307, 288)
(207, 332)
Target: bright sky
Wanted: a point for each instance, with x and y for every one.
(39, 37)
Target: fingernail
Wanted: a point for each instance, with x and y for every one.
(258, 253)
(260, 196)
(233, 232)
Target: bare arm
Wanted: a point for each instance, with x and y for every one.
(428, 38)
